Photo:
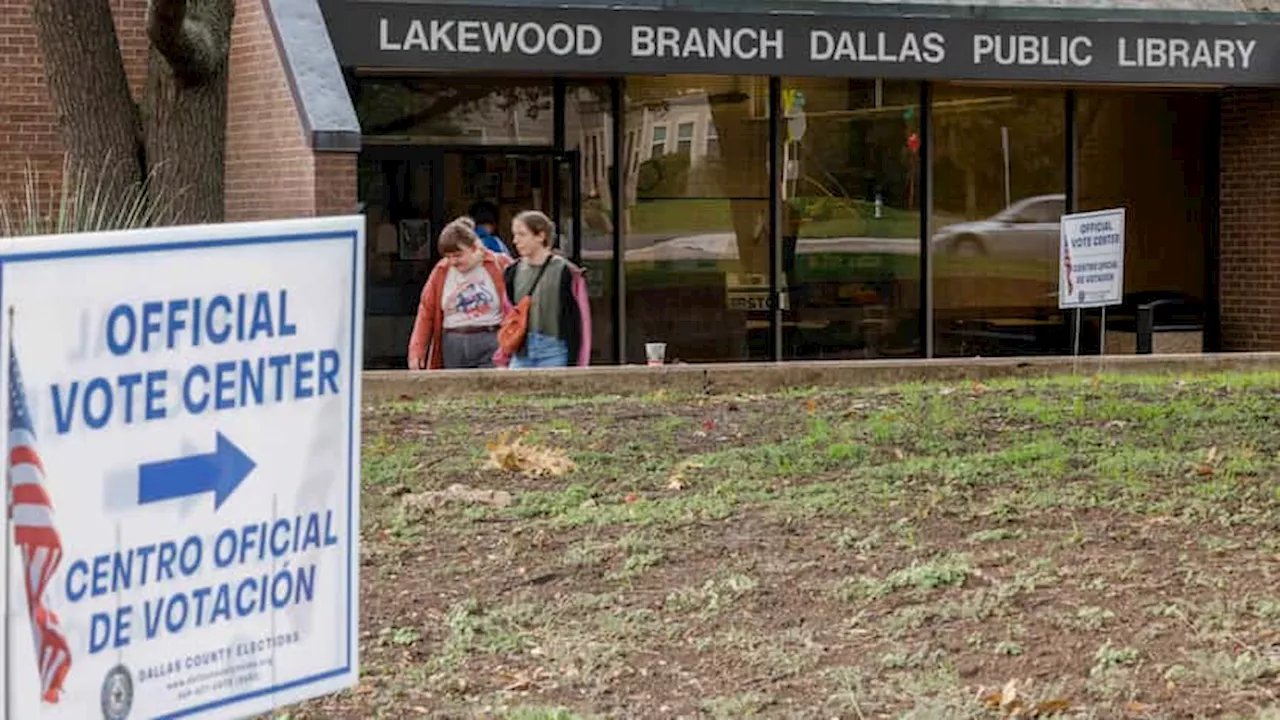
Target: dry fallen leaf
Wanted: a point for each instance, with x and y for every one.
(811, 406)
(677, 481)
(1009, 695)
(456, 493)
(520, 682)
(1051, 707)
(1137, 708)
(1013, 703)
(513, 455)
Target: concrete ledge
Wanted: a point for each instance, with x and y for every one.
(772, 377)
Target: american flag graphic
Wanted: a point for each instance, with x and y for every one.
(36, 536)
(1066, 264)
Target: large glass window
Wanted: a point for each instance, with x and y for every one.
(851, 218)
(695, 214)
(588, 120)
(1145, 152)
(999, 160)
(454, 111)
(697, 231)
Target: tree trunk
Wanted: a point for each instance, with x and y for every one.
(90, 91)
(744, 144)
(185, 115)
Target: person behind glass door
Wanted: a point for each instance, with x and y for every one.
(485, 216)
(462, 304)
(559, 329)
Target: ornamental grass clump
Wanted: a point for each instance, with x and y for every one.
(80, 203)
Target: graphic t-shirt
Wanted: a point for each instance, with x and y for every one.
(470, 299)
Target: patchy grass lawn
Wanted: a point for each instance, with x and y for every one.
(1090, 547)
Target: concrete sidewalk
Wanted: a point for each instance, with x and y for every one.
(770, 377)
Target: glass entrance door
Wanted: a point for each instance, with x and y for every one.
(503, 184)
(568, 207)
(399, 190)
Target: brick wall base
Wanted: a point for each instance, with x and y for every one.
(1249, 230)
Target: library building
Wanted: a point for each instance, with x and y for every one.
(791, 179)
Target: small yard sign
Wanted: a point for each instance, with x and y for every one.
(1091, 259)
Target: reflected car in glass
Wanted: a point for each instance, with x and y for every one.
(1027, 229)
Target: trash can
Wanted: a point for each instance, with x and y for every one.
(1161, 323)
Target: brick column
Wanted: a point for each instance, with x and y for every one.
(335, 183)
(1249, 229)
(272, 170)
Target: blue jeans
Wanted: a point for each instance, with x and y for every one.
(541, 351)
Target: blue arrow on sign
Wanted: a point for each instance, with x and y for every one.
(219, 472)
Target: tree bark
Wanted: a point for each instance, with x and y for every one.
(90, 91)
(185, 111)
(744, 179)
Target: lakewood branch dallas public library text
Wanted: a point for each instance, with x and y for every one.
(620, 41)
(805, 184)
(765, 43)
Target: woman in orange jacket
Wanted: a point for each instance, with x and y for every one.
(462, 304)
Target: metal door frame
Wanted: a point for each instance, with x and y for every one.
(573, 159)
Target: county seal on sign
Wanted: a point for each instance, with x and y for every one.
(117, 694)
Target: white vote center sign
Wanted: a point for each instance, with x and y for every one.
(1091, 259)
(184, 433)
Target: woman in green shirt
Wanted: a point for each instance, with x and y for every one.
(559, 330)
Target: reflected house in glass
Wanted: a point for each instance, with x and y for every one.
(761, 181)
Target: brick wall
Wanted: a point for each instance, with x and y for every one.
(271, 170)
(335, 183)
(29, 133)
(131, 30)
(1249, 233)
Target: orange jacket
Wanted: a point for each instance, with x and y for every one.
(425, 341)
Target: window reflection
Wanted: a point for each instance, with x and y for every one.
(998, 196)
(589, 131)
(851, 210)
(454, 111)
(696, 216)
(695, 205)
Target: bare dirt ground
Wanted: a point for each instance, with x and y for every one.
(1076, 548)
